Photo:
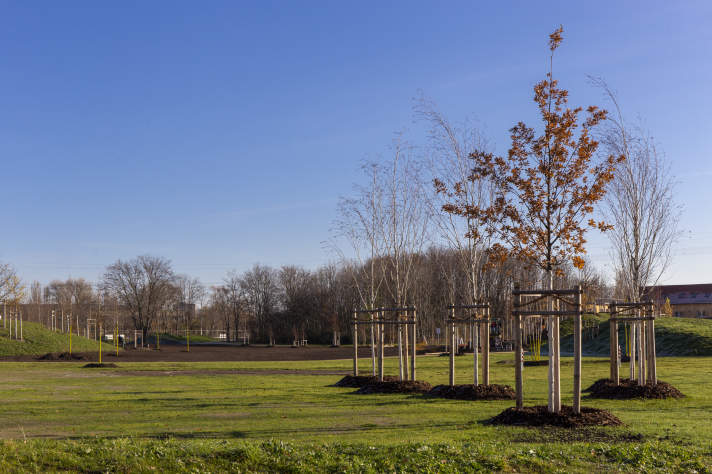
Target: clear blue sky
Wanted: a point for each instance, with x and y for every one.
(220, 134)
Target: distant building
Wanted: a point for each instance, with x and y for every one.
(687, 301)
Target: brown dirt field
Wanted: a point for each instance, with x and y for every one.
(214, 353)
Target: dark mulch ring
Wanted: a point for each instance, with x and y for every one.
(540, 416)
(535, 363)
(605, 388)
(357, 381)
(405, 386)
(474, 392)
(61, 356)
(96, 365)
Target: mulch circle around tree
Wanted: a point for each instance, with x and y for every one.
(474, 392)
(61, 356)
(397, 386)
(605, 388)
(96, 365)
(566, 418)
(358, 381)
(535, 363)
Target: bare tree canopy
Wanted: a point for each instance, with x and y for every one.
(640, 205)
(143, 285)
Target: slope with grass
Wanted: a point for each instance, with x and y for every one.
(673, 337)
(38, 340)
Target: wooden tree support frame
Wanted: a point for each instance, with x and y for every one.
(479, 319)
(554, 352)
(641, 319)
(379, 319)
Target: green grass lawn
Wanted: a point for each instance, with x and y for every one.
(38, 340)
(59, 416)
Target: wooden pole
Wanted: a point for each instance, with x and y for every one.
(577, 354)
(638, 351)
(373, 346)
(518, 350)
(451, 335)
(380, 346)
(611, 357)
(413, 333)
(476, 355)
(400, 352)
(643, 351)
(615, 376)
(557, 365)
(355, 346)
(486, 349)
(653, 366)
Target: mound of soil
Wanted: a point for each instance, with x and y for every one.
(61, 356)
(536, 363)
(359, 381)
(405, 386)
(96, 365)
(540, 416)
(605, 388)
(474, 392)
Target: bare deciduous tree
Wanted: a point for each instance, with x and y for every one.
(143, 286)
(640, 205)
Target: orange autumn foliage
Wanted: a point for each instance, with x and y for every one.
(547, 185)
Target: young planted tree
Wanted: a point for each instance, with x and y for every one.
(640, 205)
(405, 228)
(450, 165)
(545, 191)
(360, 224)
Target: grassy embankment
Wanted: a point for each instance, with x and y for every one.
(148, 416)
(673, 337)
(38, 340)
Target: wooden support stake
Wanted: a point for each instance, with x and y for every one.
(518, 350)
(476, 355)
(614, 352)
(486, 349)
(653, 366)
(381, 335)
(557, 367)
(355, 346)
(639, 352)
(643, 351)
(577, 354)
(413, 343)
(374, 330)
(453, 346)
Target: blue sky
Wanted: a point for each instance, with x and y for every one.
(220, 134)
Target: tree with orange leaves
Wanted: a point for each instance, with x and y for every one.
(545, 190)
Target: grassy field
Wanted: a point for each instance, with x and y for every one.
(39, 340)
(205, 417)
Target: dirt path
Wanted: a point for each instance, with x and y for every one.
(221, 353)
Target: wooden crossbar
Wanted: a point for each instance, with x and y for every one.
(544, 312)
(545, 292)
